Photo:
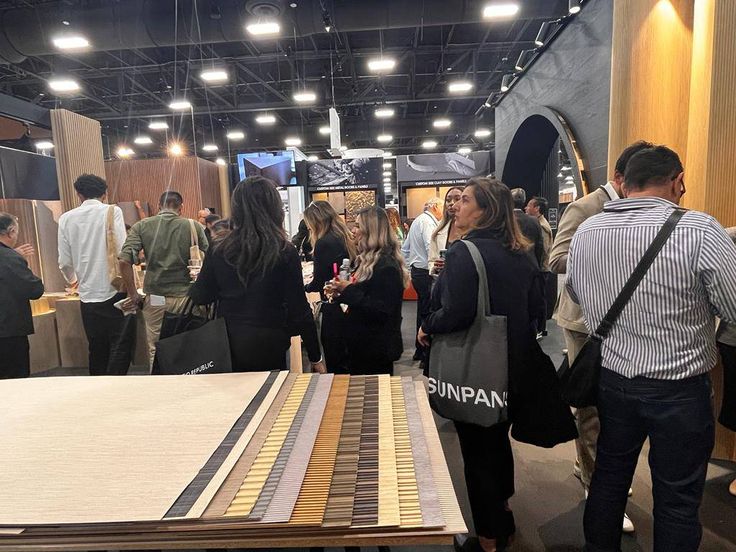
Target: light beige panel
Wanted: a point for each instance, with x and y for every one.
(650, 74)
(225, 193)
(416, 198)
(78, 150)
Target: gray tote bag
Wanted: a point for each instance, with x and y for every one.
(469, 369)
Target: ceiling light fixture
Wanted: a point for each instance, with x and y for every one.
(71, 42)
(235, 135)
(44, 145)
(387, 154)
(63, 85)
(506, 83)
(324, 130)
(265, 119)
(220, 161)
(158, 125)
(384, 112)
(214, 75)
(387, 165)
(379, 65)
(143, 140)
(464, 150)
(429, 144)
(482, 133)
(442, 123)
(209, 147)
(264, 28)
(293, 141)
(573, 6)
(125, 151)
(386, 173)
(458, 87)
(180, 105)
(521, 62)
(176, 149)
(498, 11)
(384, 138)
(305, 96)
(542, 34)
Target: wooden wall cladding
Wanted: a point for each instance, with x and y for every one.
(145, 180)
(78, 150)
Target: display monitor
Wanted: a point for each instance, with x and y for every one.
(277, 166)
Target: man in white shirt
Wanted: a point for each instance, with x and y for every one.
(83, 260)
(416, 253)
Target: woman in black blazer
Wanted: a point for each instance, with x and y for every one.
(332, 244)
(485, 215)
(373, 296)
(256, 277)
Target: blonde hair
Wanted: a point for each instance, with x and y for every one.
(393, 218)
(322, 219)
(377, 239)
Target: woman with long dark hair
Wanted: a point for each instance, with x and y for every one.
(255, 276)
(332, 244)
(485, 216)
(446, 231)
(373, 296)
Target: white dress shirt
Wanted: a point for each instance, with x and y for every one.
(416, 245)
(83, 248)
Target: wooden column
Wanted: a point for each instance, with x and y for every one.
(78, 150)
(224, 175)
(650, 74)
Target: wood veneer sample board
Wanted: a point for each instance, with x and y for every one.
(74, 449)
(389, 513)
(44, 343)
(73, 344)
(416, 198)
(411, 511)
(47, 227)
(365, 506)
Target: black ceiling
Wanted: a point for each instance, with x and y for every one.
(135, 70)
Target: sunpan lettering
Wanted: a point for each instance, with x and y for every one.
(467, 394)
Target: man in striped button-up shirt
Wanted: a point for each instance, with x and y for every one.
(656, 359)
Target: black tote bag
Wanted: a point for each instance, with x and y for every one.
(579, 382)
(469, 369)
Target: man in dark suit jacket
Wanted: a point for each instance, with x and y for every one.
(529, 225)
(17, 286)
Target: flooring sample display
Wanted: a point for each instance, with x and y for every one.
(411, 513)
(389, 512)
(365, 506)
(109, 431)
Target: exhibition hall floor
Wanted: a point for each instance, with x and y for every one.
(548, 505)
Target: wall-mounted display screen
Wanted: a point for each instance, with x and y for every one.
(25, 175)
(345, 173)
(278, 166)
(441, 168)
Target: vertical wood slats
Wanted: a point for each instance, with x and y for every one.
(388, 481)
(411, 512)
(77, 149)
(365, 506)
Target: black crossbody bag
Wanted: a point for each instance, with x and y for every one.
(579, 382)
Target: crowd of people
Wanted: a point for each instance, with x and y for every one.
(656, 357)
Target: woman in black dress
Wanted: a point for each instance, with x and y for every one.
(373, 296)
(332, 244)
(256, 277)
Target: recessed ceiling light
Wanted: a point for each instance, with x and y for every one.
(264, 28)
(63, 85)
(180, 105)
(44, 145)
(429, 144)
(143, 140)
(464, 150)
(500, 10)
(214, 75)
(387, 179)
(125, 151)
(209, 147)
(158, 125)
(386, 173)
(235, 135)
(305, 96)
(312, 158)
(384, 112)
(384, 138)
(381, 64)
(482, 133)
(459, 86)
(176, 149)
(324, 130)
(220, 161)
(265, 119)
(71, 42)
(442, 123)
(387, 165)
(293, 141)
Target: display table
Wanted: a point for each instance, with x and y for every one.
(267, 459)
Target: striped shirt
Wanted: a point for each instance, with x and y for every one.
(667, 330)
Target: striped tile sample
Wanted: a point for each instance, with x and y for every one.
(282, 504)
(312, 501)
(249, 491)
(388, 483)
(186, 499)
(365, 507)
(230, 487)
(411, 511)
(339, 511)
(428, 498)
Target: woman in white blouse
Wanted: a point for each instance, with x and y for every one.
(446, 231)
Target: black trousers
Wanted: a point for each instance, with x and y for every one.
(111, 336)
(256, 349)
(677, 417)
(15, 361)
(422, 282)
(728, 406)
(489, 477)
(333, 339)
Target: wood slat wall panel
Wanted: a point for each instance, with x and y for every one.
(209, 178)
(78, 150)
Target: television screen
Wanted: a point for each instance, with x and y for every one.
(25, 175)
(277, 166)
(442, 168)
(345, 173)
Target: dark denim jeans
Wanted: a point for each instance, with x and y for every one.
(677, 417)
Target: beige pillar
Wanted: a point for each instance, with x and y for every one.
(224, 174)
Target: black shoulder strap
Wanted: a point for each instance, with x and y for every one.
(641, 269)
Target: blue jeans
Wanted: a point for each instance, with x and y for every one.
(677, 417)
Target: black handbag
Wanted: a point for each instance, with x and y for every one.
(579, 382)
